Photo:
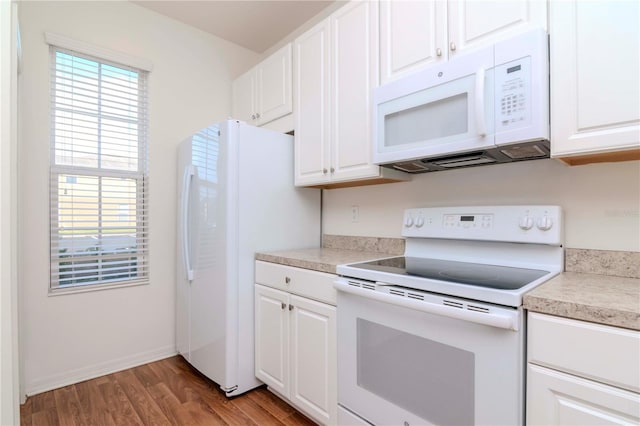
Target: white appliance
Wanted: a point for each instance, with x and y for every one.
(236, 197)
(485, 107)
(438, 336)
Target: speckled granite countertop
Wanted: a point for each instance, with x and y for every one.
(320, 259)
(599, 286)
(596, 298)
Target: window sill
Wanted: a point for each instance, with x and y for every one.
(95, 287)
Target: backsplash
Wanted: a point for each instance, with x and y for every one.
(603, 262)
(372, 244)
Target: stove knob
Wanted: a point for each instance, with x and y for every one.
(408, 223)
(526, 222)
(419, 222)
(545, 223)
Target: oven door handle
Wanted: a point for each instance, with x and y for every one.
(505, 320)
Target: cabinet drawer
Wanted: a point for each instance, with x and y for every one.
(303, 282)
(603, 353)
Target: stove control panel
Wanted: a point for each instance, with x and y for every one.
(523, 224)
(468, 221)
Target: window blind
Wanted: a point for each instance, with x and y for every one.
(99, 172)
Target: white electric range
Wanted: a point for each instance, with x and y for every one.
(437, 336)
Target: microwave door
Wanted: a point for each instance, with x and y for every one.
(452, 117)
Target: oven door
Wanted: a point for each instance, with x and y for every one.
(442, 110)
(401, 364)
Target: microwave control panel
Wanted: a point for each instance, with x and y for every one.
(513, 87)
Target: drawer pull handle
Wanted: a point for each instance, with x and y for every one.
(283, 305)
(287, 280)
(291, 307)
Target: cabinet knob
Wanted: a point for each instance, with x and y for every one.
(439, 51)
(253, 116)
(291, 307)
(452, 46)
(283, 305)
(324, 171)
(333, 170)
(287, 280)
(258, 115)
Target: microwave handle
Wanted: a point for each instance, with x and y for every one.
(481, 128)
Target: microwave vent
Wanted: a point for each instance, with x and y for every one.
(524, 151)
(465, 160)
(411, 166)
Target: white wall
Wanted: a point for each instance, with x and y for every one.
(69, 338)
(601, 202)
(9, 411)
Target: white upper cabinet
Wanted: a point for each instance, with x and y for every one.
(595, 74)
(412, 35)
(263, 94)
(335, 70)
(274, 98)
(415, 34)
(478, 23)
(311, 117)
(243, 89)
(354, 73)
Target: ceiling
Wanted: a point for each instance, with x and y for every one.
(256, 25)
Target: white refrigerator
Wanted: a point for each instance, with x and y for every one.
(237, 197)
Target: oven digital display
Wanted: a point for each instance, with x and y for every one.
(467, 218)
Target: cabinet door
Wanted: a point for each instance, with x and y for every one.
(313, 359)
(272, 338)
(595, 73)
(274, 99)
(412, 35)
(555, 398)
(478, 23)
(354, 75)
(243, 106)
(311, 105)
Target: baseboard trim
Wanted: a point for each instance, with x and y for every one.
(71, 377)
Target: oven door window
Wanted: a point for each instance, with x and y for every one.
(427, 378)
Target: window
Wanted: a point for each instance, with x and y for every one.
(99, 172)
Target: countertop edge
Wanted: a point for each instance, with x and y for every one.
(297, 263)
(583, 312)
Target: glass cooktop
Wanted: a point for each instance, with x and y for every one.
(491, 276)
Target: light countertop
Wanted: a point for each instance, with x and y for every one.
(320, 259)
(590, 297)
(596, 298)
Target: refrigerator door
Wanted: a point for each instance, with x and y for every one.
(187, 201)
(237, 197)
(210, 257)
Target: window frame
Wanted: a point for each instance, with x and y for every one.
(140, 175)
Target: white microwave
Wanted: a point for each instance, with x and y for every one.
(485, 107)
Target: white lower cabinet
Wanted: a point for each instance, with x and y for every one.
(557, 398)
(295, 339)
(581, 373)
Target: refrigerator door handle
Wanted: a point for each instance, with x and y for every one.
(189, 173)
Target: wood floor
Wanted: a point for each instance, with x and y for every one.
(167, 392)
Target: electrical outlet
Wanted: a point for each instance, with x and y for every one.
(355, 213)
